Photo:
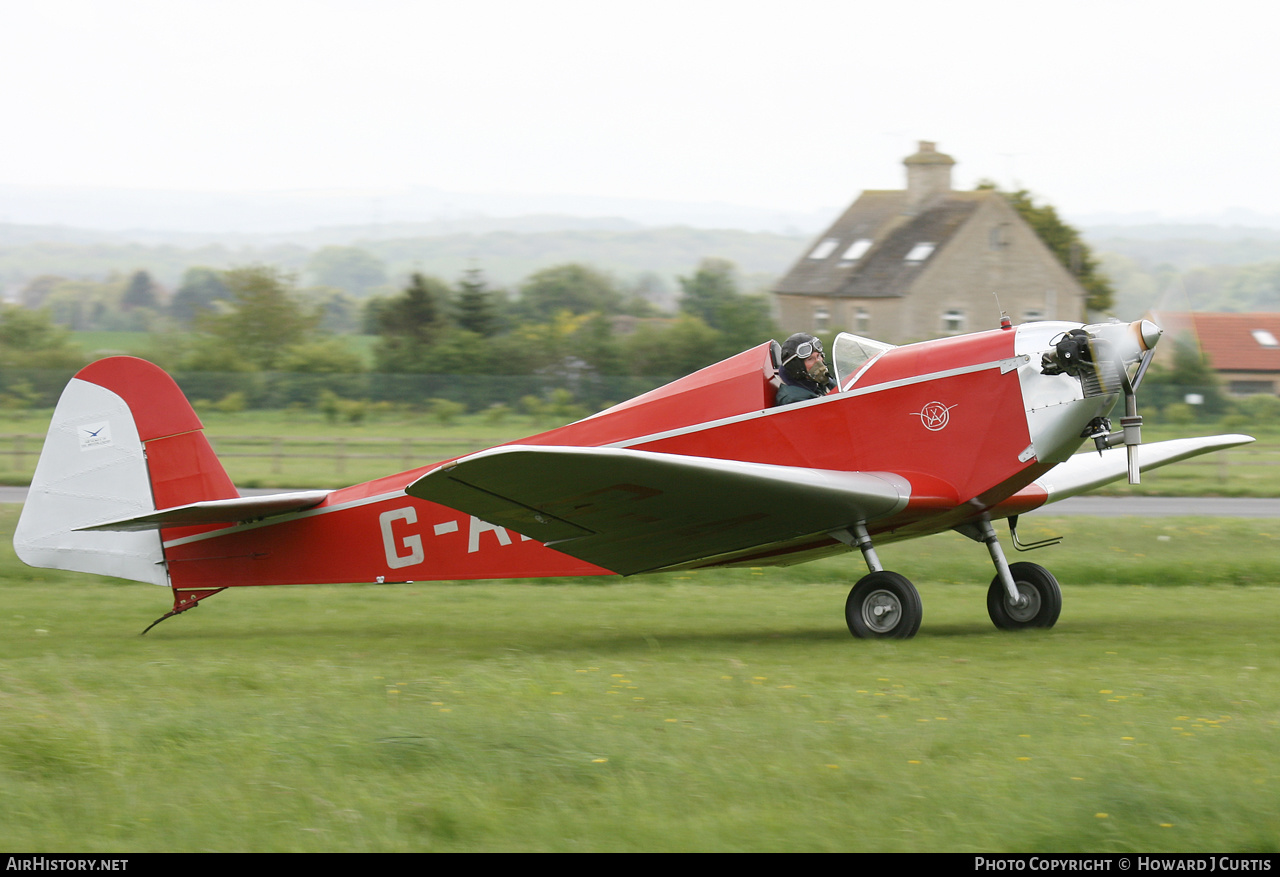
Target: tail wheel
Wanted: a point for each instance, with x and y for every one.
(1041, 598)
(883, 605)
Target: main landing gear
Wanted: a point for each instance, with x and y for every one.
(885, 605)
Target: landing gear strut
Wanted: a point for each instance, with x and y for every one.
(1022, 594)
(883, 604)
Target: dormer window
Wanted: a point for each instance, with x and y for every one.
(920, 252)
(824, 249)
(1265, 338)
(856, 250)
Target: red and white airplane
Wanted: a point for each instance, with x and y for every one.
(951, 434)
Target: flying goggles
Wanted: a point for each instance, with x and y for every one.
(805, 349)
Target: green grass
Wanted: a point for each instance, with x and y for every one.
(725, 710)
(303, 448)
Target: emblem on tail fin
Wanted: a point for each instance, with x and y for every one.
(95, 435)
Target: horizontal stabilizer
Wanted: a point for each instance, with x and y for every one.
(1085, 471)
(218, 511)
(636, 511)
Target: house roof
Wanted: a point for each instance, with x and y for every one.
(838, 266)
(1232, 342)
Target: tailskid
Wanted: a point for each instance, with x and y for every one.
(184, 599)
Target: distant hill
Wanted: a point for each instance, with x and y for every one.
(507, 250)
(1186, 246)
(150, 213)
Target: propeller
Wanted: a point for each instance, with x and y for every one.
(1101, 356)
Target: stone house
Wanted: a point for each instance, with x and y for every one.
(926, 262)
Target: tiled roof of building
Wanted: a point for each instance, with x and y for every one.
(1232, 342)
(882, 269)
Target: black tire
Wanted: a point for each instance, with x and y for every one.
(1043, 598)
(883, 605)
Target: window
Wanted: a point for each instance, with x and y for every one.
(1032, 316)
(824, 249)
(920, 252)
(821, 317)
(1251, 388)
(1265, 338)
(856, 250)
(953, 321)
(862, 320)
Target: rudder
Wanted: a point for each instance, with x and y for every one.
(124, 441)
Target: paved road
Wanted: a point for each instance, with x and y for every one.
(1165, 506)
(1098, 506)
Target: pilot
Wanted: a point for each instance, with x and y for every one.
(804, 372)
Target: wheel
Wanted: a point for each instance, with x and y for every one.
(883, 605)
(1042, 598)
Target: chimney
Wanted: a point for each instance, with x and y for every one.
(928, 175)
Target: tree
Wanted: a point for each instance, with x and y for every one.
(340, 311)
(712, 296)
(1066, 244)
(1253, 288)
(36, 357)
(347, 268)
(417, 312)
(409, 324)
(682, 347)
(140, 292)
(474, 308)
(30, 339)
(201, 288)
(572, 287)
(83, 305)
(265, 320)
(38, 290)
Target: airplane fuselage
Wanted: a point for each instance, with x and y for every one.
(966, 421)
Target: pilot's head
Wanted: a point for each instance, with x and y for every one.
(802, 358)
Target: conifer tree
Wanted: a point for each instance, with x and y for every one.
(475, 309)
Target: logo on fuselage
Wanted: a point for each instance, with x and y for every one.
(934, 416)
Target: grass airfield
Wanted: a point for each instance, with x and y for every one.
(723, 710)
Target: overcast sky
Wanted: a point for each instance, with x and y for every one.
(1097, 107)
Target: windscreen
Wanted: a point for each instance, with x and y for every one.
(851, 352)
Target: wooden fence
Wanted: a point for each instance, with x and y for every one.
(19, 451)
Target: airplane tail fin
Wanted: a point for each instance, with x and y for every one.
(124, 442)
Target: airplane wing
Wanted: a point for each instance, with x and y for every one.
(637, 511)
(1087, 470)
(218, 511)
